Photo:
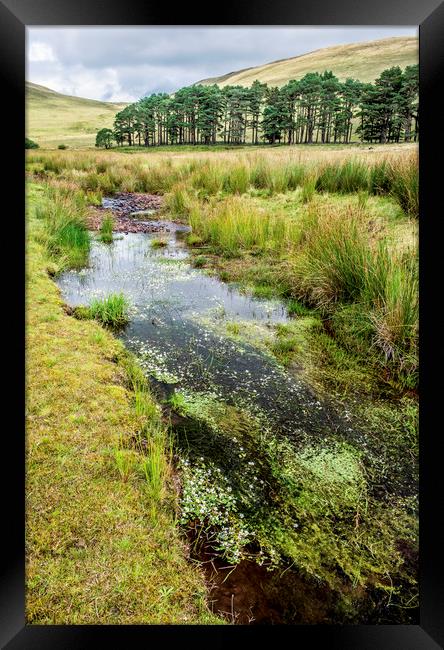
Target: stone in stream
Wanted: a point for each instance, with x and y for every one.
(126, 207)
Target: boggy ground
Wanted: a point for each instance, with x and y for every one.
(249, 594)
(342, 524)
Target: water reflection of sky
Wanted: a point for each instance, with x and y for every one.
(154, 283)
(178, 331)
(177, 328)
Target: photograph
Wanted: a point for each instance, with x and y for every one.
(225, 353)
(222, 325)
(226, 341)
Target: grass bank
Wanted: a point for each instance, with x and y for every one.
(102, 542)
(352, 260)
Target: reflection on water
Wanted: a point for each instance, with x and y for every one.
(178, 331)
(177, 328)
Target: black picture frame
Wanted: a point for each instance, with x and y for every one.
(15, 15)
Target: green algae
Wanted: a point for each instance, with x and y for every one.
(309, 507)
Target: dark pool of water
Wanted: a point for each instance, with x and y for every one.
(177, 328)
(178, 331)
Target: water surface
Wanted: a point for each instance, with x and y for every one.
(178, 328)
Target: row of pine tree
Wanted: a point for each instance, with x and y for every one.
(316, 109)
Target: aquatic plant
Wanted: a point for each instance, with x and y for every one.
(111, 311)
(159, 242)
(106, 229)
(255, 495)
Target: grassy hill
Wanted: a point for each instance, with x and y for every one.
(364, 61)
(53, 118)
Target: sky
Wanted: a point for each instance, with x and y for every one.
(122, 64)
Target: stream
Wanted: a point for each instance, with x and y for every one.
(178, 329)
(184, 329)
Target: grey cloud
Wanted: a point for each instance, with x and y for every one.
(141, 60)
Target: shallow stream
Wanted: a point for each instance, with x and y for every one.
(184, 328)
(178, 328)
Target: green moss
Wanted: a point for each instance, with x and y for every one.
(200, 261)
(263, 291)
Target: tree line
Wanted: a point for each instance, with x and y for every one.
(315, 109)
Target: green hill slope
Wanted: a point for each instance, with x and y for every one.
(364, 61)
(53, 118)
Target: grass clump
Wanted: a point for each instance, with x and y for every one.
(308, 189)
(234, 225)
(194, 240)
(236, 179)
(67, 239)
(296, 308)
(344, 178)
(261, 175)
(209, 181)
(178, 201)
(111, 311)
(106, 229)
(264, 291)
(405, 184)
(333, 259)
(338, 265)
(199, 261)
(159, 242)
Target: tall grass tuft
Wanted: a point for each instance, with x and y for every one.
(330, 267)
(111, 311)
(155, 466)
(337, 264)
(106, 229)
(236, 179)
(308, 189)
(234, 225)
(208, 180)
(260, 175)
(391, 294)
(67, 238)
(347, 177)
(405, 184)
(178, 201)
(380, 178)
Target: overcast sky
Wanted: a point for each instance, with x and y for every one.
(125, 63)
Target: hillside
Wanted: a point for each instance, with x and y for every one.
(53, 118)
(364, 61)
